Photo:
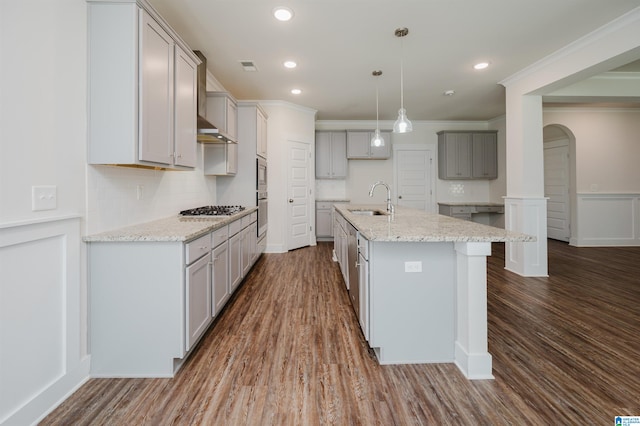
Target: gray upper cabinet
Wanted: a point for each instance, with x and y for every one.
(142, 89)
(331, 155)
(467, 155)
(359, 145)
(485, 156)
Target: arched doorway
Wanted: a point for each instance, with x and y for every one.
(559, 181)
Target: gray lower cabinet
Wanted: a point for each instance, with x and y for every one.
(151, 301)
(359, 145)
(198, 296)
(324, 220)
(467, 155)
(331, 154)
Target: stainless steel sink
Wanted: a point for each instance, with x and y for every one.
(365, 212)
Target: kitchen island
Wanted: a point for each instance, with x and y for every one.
(421, 284)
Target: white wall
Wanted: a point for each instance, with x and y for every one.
(606, 191)
(607, 146)
(43, 327)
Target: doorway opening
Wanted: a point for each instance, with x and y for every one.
(560, 181)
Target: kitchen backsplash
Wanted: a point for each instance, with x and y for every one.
(122, 196)
(330, 189)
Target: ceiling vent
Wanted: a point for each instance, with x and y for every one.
(248, 66)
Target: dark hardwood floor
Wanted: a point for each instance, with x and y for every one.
(288, 351)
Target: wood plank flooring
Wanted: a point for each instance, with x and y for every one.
(288, 351)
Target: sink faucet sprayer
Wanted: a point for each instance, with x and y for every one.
(390, 208)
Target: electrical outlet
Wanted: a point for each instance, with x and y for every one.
(44, 197)
(413, 266)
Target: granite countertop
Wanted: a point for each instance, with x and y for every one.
(411, 225)
(469, 203)
(174, 228)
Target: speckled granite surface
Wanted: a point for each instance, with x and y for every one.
(174, 228)
(411, 225)
(471, 203)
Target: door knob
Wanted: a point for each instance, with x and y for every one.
(291, 200)
(399, 197)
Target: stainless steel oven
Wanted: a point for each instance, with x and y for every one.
(261, 176)
(262, 202)
(263, 216)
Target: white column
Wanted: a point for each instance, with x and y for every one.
(525, 205)
(471, 346)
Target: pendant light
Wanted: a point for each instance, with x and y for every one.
(377, 139)
(402, 124)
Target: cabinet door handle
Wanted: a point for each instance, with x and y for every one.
(291, 200)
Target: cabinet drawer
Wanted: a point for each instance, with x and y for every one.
(220, 236)
(489, 209)
(460, 209)
(197, 248)
(324, 205)
(235, 227)
(246, 221)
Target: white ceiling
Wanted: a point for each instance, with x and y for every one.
(338, 43)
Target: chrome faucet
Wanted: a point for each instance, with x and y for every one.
(390, 208)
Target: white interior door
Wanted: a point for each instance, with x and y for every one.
(299, 190)
(556, 189)
(414, 178)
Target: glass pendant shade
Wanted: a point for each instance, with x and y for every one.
(402, 124)
(377, 139)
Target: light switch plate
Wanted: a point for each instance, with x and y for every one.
(44, 197)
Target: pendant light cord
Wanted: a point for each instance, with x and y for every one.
(401, 73)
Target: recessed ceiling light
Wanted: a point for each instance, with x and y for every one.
(282, 13)
(290, 64)
(481, 65)
(449, 93)
(296, 91)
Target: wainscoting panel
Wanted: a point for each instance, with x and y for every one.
(608, 219)
(40, 321)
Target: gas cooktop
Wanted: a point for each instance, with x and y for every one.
(212, 211)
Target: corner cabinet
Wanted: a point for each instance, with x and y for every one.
(359, 146)
(467, 155)
(142, 88)
(331, 155)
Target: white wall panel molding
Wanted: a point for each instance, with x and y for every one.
(40, 318)
(529, 216)
(606, 219)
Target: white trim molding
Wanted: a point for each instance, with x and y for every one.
(608, 219)
(41, 318)
(528, 216)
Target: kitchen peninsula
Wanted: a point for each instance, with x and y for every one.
(420, 284)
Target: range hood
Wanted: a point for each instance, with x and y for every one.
(207, 132)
